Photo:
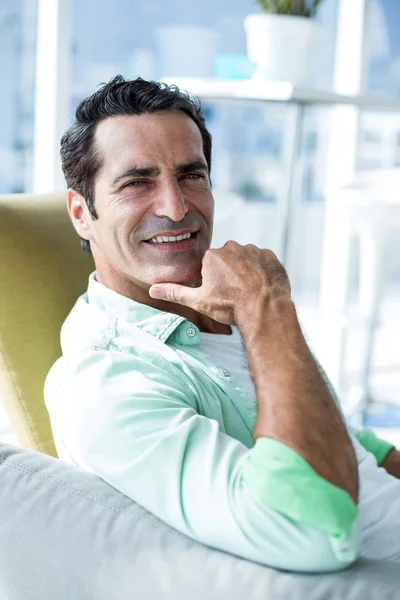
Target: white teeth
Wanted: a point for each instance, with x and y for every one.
(163, 238)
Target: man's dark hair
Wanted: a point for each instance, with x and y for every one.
(79, 156)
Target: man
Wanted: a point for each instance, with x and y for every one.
(153, 392)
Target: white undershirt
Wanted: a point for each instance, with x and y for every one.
(227, 352)
(379, 502)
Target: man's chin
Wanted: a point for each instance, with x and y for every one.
(189, 281)
(190, 277)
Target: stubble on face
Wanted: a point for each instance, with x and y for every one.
(139, 206)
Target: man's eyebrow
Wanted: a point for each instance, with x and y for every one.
(136, 172)
(181, 169)
(195, 165)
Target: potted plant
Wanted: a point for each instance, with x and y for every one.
(282, 40)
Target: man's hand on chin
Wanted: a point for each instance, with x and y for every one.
(392, 463)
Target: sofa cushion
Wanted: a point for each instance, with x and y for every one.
(65, 534)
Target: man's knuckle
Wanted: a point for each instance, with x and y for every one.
(270, 254)
(231, 244)
(171, 293)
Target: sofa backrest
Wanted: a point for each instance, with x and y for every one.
(66, 534)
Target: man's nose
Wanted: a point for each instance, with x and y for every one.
(171, 202)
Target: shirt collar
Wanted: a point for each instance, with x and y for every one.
(160, 324)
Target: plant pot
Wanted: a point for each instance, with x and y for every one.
(283, 47)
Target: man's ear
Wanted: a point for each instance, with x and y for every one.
(79, 213)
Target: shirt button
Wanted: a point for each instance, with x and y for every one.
(190, 332)
(224, 372)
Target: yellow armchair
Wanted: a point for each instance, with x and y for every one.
(42, 272)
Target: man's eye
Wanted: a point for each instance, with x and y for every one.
(193, 176)
(134, 183)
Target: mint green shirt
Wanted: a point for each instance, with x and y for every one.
(134, 400)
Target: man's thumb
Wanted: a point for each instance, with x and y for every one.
(172, 292)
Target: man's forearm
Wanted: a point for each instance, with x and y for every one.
(295, 406)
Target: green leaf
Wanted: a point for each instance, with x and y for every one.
(299, 8)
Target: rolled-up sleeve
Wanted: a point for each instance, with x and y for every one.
(370, 442)
(137, 426)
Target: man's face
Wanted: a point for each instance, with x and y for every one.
(153, 185)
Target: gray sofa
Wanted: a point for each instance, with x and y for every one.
(67, 535)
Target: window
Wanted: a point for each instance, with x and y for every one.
(383, 47)
(17, 66)
(171, 38)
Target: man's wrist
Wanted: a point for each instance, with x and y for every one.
(263, 314)
(392, 463)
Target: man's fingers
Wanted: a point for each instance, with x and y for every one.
(173, 292)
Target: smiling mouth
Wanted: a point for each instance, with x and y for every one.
(185, 241)
(167, 239)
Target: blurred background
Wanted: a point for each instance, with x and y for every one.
(306, 134)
